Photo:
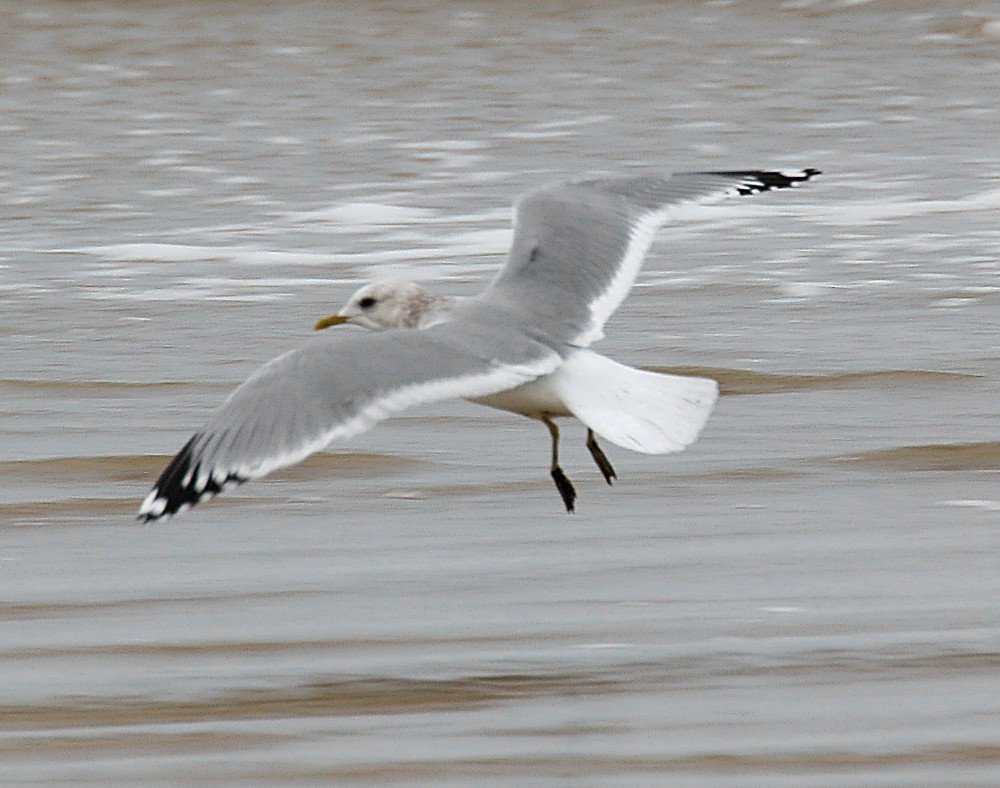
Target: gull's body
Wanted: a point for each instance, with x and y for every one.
(522, 345)
(536, 400)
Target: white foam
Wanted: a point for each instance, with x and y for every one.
(983, 200)
(987, 506)
(573, 123)
(429, 270)
(804, 289)
(168, 253)
(362, 215)
(547, 134)
(480, 242)
(181, 294)
(855, 213)
(184, 253)
(449, 145)
(451, 154)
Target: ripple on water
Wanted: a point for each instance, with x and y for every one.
(746, 381)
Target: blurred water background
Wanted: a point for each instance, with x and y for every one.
(808, 596)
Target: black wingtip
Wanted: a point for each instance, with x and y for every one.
(757, 181)
(180, 486)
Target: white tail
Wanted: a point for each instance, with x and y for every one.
(644, 411)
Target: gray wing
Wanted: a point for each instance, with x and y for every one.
(578, 246)
(338, 386)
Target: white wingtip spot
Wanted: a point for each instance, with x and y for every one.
(201, 482)
(153, 505)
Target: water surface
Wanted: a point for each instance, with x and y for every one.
(806, 596)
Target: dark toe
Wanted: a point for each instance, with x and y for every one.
(565, 487)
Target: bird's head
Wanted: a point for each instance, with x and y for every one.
(381, 305)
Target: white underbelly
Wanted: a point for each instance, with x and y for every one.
(640, 410)
(535, 399)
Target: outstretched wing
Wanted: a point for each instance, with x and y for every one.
(577, 250)
(578, 246)
(338, 386)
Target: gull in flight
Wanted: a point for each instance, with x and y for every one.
(522, 345)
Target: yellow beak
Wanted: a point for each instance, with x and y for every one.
(332, 320)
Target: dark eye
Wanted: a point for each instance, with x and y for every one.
(367, 302)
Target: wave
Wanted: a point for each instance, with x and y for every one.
(982, 456)
(797, 764)
(145, 467)
(825, 659)
(323, 698)
(106, 386)
(747, 381)
(63, 511)
(731, 381)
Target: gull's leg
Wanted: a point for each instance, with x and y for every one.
(564, 485)
(603, 463)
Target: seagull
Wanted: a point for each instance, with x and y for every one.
(522, 345)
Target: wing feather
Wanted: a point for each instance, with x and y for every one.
(577, 250)
(336, 387)
(578, 246)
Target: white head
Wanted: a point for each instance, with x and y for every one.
(385, 304)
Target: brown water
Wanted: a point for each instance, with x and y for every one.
(808, 596)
